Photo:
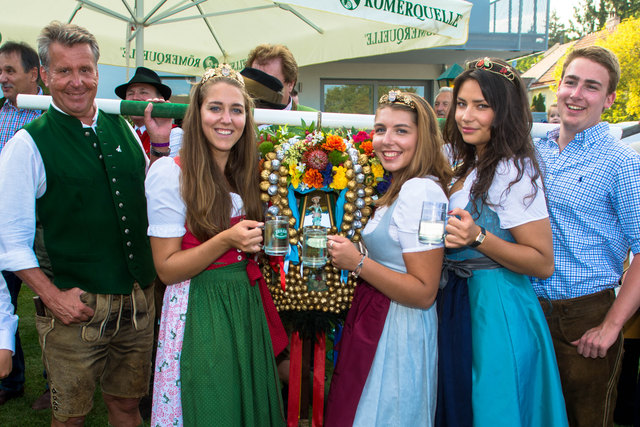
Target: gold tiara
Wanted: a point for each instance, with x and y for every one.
(397, 97)
(487, 65)
(222, 70)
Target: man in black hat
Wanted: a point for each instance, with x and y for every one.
(146, 85)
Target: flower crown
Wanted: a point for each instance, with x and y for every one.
(222, 70)
(397, 97)
(487, 65)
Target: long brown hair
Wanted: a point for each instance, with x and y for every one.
(428, 158)
(510, 131)
(205, 188)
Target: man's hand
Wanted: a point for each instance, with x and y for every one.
(597, 341)
(5, 362)
(67, 307)
(159, 128)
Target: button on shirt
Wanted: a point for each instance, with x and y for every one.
(13, 118)
(593, 195)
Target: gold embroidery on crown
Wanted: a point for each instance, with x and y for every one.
(397, 97)
(222, 70)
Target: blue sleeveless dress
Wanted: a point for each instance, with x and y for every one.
(515, 379)
(401, 387)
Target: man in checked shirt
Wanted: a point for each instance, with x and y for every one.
(593, 195)
(18, 74)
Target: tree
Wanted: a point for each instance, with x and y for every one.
(523, 63)
(538, 103)
(558, 33)
(589, 18)
(349, 99)
(625, 43)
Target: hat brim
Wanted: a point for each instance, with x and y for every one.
(164, 90)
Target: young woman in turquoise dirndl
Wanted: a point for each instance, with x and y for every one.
(497, 364)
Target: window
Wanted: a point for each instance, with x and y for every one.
(361, 96)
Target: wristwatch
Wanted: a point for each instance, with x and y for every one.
(480, 238)
(157, 153)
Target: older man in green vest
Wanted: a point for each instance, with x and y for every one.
(83, 171)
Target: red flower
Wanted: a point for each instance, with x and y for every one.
(360, 136)
(315, 159)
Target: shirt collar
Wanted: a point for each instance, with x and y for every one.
(8, 101)
(591, 135)
(94, 120)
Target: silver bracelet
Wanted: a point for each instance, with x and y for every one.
(355, 273)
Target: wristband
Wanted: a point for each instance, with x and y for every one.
(165, 144)
(157, 153)
(356, 272)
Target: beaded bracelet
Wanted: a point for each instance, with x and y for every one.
(355, 273)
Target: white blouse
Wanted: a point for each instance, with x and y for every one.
(512, 206)
(165, 208)
(405, 219)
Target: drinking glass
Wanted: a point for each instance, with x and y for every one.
(432, 222)
(314, 246)
(276, 236)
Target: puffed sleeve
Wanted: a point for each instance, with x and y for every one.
(406, 215)
(165, 209)
(515, 206)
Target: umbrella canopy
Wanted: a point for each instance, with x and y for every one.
(186, 36)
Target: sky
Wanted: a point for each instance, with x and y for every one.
(564, 8)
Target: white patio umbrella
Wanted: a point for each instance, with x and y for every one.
(183, 36)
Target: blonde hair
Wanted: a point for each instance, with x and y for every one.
(205, 188)
(428, 158)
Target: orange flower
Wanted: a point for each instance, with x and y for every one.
(334, 142)
(367, 146)
(313, 178)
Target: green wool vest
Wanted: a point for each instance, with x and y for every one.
(93, 212)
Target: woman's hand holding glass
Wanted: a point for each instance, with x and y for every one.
(461, 229)
(342, 253)
(246, 236)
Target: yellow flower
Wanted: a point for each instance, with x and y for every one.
(378, 170)
(339, 178)
(294, 174)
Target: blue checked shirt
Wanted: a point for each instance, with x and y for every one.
(13, 118)
(593, 196)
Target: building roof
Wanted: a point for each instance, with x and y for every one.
(547, 78)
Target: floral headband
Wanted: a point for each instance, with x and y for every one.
(487, 65)
(222, 70)
(397, 97)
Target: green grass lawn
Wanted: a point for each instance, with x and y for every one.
(18, 412)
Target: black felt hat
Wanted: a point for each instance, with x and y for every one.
(265, 89)
(145, 75)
